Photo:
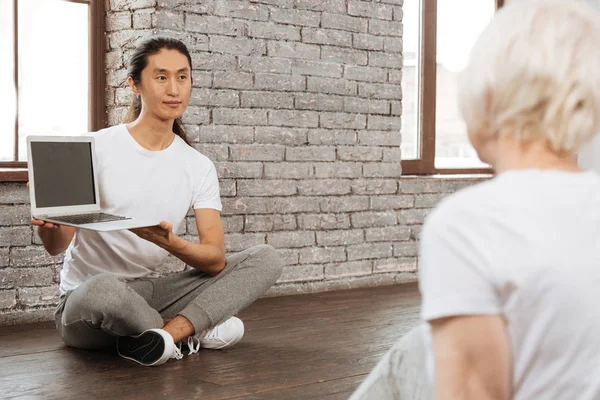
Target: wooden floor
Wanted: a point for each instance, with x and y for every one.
(318, 346)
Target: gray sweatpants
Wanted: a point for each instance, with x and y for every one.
(401, 374)
(104, 307)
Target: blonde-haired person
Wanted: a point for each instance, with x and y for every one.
(510, 268)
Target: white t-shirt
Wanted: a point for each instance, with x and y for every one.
(137, 182)
(524, 245)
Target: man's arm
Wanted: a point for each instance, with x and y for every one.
(472, 358)
(207, 256)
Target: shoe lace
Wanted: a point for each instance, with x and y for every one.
(193, 343)
(177, 352)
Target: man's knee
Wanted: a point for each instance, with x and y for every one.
(269, 260)
(101, 292)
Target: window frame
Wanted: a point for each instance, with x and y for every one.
(425, 163)
(16, 171)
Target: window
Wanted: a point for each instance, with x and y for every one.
(438, 35)
(53, 78)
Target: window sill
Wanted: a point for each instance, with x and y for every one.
(480, 176)
(13, 175)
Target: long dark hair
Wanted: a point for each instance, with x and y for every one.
(137, 63)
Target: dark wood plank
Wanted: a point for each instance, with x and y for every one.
(310, 346)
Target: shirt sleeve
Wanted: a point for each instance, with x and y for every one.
(208, 194)
(454, 273)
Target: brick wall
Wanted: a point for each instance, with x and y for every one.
(298, 103)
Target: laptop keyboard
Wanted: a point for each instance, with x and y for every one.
(80, 219)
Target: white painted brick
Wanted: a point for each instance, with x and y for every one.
(267, 30)
(360, 153)
(329, 136)
(168, 20)
(429, 200)
(239, 169)
(116, 78)
(365, 74)
(323, 221)
(366, 106)
(294, 118)
(226, 134)
(233, 80)
(26, 277)
(398, 14)
(237, 46)
(120, 5)
(202, 79)
(42, 296)
(227, 187)
(293, 239)
(118, 21)
(289, 256)
(262, 152)
(380, 91)
(213, 25)
(265, 64)
(369, 251)
(367, 42)
(241, 116)
(326, 36)
(331, 85)
(302, 204)
(126, 39)
(401, 264)
(293, 50)
(344, 22)
(248, 205)
(392, 202)
(269, 223)
(288, 170)
(296, 17)
(340, 237)
(258, 188)
(393, 45)
(241, 9)
(213, 62)
(15, 215)
(279, 82)
(344, 204)
(338, 170)
(142, 19)
(343, 120)
(317, 68)
(374, 186)
(278, 3)
(385, 28)
(8, 298)
(313, 255)
(301, 273)
(373, 218)
(406, 249)
(15, 235)
(235, 242)
(338, 6)
(369, 9)
(310, 153)
(396, 108)
(320, 102)
(348, 269)
(280, 135)
(344, 56)
(395, 233)
(414, 216)
(260, 99)
(196, 115)
(386, 60)
(324, 187)
(394, 154)
(218, 98)
(31, 256)
(382, 170)
(378, 138)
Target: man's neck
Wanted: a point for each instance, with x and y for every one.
(514, 155)
(152, 133)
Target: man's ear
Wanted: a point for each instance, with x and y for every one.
(133, 86)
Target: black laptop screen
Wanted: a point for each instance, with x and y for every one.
(63, 174)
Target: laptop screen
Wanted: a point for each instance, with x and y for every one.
(63, 174)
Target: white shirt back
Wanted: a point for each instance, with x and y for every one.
(525, 245)
(137, 182)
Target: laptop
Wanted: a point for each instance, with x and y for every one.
(63, 185)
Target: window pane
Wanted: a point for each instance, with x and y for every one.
(8, 100)
(410, 79)
(53, 69)
(459, 24)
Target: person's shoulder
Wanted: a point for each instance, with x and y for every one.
(466, 204)
(108, 132)
(193, 156)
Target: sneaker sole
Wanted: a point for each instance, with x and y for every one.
(157, 346)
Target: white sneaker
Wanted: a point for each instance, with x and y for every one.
(222, 336)
(150, 348)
